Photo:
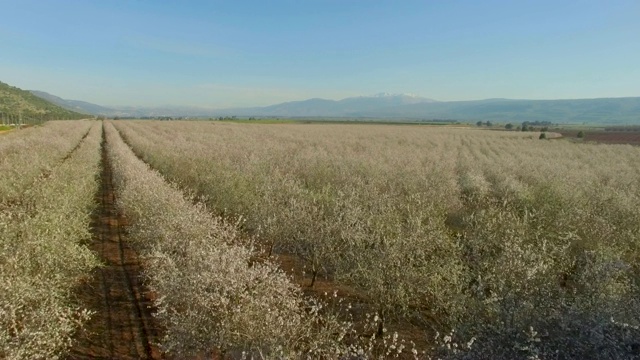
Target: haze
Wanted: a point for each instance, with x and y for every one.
(252, 53)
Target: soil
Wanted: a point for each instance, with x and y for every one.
(607, 137)
(324, 288)
(122, 326)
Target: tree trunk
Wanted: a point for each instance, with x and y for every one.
(380, 332)
(314, 275)
(273, 243)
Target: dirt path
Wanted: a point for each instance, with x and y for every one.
(122, 326)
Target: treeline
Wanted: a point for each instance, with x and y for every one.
(526, 126)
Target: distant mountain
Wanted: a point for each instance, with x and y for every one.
(74, 105)
(348, 107)
(401, 106)
(162, 111)
(603, 110)
(18, 104)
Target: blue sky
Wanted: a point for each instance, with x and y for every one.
(242, 53)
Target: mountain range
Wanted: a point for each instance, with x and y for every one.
(401, 107)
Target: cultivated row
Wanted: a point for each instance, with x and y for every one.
(31, 153)
(43, 234)
(212, 295)
(529, 245)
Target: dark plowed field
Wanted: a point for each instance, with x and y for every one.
(607, 137)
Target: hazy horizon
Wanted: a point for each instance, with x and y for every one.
(242, 54)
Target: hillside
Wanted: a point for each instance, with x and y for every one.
(73, 105)
(18, 104)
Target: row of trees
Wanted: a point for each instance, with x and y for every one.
(525, 126)
(487, 123)
(9, 118)
(47, 192)
(457, 235)
(214, 292)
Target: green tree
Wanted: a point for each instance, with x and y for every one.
(509, 126)
(580, 134)
(479, 123)
(543, 136)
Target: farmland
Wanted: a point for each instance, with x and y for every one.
(47, 185)
(429, 241)
(496, 235)
(631, 137)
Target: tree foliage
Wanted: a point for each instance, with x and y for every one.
(473, 241)
(46, 199)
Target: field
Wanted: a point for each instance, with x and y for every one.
(488, 233)
(47, 188)
(607, 137)
(320, 241)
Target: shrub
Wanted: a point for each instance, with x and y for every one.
(31, 154)
(212, 295)
(42, 254)
(489, 233)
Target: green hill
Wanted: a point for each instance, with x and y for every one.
(17, 104)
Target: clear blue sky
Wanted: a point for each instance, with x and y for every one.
(241, 53)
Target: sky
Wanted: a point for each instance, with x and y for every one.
(220, 54)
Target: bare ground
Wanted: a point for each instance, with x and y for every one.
(606, 137)
(122, 326)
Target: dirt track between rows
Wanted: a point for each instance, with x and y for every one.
(122, 326)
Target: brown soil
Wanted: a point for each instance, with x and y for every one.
(324, 288)
(122, 326)
(607, 137)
